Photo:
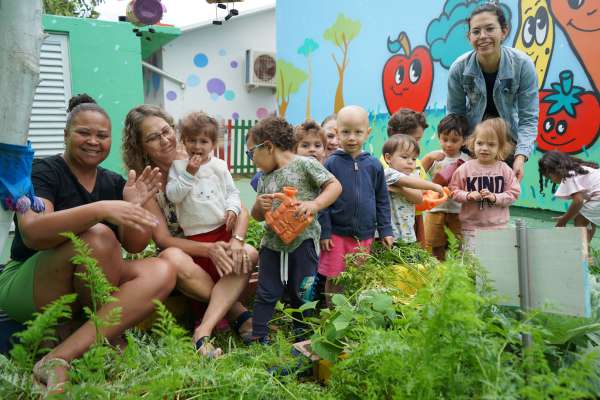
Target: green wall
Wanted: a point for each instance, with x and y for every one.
(105, 62)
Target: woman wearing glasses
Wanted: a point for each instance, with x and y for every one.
(496, 81)
(149, 139)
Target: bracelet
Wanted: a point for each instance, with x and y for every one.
(238, 237)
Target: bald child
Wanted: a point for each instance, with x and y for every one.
(350, 223)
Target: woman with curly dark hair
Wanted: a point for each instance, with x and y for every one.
(105, 211)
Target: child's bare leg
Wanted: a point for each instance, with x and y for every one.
(439, 252)
(420, 230)
(582, 221)
(331, 289)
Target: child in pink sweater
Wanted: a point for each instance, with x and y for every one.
(485, 186)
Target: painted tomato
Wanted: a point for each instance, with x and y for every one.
(569, 119)
(407, 79)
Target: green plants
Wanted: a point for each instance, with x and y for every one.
(255, 233)
(100, 288)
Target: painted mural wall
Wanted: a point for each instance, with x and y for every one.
(386, 55)
(211, 61)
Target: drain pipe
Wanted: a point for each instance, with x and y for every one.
(163, 73)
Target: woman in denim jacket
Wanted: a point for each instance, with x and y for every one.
(496, 81)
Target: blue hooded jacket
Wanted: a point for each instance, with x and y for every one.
(363, 205)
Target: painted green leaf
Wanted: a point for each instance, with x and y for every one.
(289, 77)
(343, 28)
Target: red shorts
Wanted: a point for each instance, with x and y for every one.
(218, 235)
(332, 262)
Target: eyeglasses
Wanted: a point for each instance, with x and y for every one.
(489, 30)
(250, 152)
(155, 137)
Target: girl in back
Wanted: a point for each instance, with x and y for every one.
(486, 186)
(310, 140)
(579, 181)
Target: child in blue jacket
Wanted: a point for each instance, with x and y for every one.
(349, 224)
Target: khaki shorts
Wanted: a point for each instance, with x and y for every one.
(434, 228)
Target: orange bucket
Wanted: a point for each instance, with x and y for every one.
(284, 221)
(432, 199)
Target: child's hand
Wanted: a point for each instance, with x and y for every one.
(439, 189)
(437, 155)
(194, 164)
(230, 220)
(474, 196)
(326, 244)
(487, 195)
(388, 241)
(265, 201)
(561, 222)
(307, 209)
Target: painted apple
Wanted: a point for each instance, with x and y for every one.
(407, 78)
(568, 117)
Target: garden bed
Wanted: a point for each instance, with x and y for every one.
(407, 326)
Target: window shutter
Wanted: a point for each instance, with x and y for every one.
(49, 111)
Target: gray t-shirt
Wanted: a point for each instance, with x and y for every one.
(305, 174)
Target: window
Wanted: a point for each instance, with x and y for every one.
(49, 111)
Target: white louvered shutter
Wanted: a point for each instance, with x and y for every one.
(49, 111)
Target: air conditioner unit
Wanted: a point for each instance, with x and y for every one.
(260, 69)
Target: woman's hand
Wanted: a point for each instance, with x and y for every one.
(239, 256)
(218, 254)
(127, 215)
(519, 167)
(140, 190)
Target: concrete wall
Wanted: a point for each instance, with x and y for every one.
(210, 56)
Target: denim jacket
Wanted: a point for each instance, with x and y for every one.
(515, 94)
(364, 205)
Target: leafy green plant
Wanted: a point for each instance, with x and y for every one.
(33, 342)
(151, 250)
(100, 288)
(255, 233)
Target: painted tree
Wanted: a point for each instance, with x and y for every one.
(341, 33)
(289, 80)
(21, 38)
(308, 47)
(72, 8)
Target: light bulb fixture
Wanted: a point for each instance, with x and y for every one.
(217, 22)
(234, 12)
(221, 6)
(228, 17)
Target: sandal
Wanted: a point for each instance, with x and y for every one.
(239, 321)
(262, 340)
(44, 374)
(205, 348)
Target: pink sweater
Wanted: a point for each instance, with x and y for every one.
(499, 179)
